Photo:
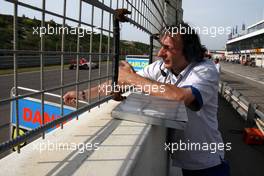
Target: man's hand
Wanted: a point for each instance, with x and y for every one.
(70, 98)
(126, 72)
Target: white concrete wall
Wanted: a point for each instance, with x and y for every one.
(126, 148)
(153, 158)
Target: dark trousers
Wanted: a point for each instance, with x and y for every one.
(222, 169)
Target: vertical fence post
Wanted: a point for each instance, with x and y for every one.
(151, 49)
(42, 57)
(15, 26)
(62, 61)
(251, 112)
(77, 78)
(116, 31)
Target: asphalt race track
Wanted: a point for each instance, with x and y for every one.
(32, 80)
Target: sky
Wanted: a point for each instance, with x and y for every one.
(205, 14)
(224, 13)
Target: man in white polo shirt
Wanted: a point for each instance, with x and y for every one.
(183, 75)
(187, 77)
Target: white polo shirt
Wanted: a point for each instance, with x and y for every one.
(218, 67)
(202, 126)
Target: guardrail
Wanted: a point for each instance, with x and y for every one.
(248, 110)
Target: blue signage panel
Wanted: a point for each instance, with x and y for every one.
(30, 115)
(138, 62)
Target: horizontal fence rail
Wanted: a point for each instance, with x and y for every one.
(102, 45)
(52, 58)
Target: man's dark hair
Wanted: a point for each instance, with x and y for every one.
(192, 48)
(216, 60)
(204, 49)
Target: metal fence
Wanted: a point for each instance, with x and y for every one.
(146, 15)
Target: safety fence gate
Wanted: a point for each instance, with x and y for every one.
(101, 46)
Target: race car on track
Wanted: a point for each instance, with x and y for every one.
(83, 64)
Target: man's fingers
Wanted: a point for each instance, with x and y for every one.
(73, 101)
(67, 101)
(124, 64)
(121, 64)
(70, 101)
(69, 98)
(66, 98)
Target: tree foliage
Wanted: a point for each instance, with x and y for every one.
(28, 40)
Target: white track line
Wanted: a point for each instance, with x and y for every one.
(260, 82)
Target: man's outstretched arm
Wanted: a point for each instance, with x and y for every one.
(154, 88)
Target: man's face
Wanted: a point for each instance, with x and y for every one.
(171, 51)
